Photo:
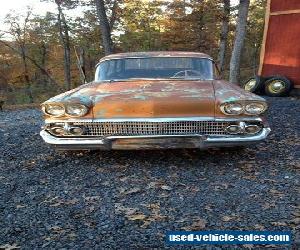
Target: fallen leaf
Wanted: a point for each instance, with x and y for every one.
(56, 204)
(134, 217)
(132, 191)
(196, 225)
(268, 205)
(227, 218)
(221, 187)
(276, 192)
(153, 184)
(20, 206)
(248, 246)
(278, 223)
(56, 229)
(124, 178)
(259, 227)
(127, 210)
(165, 187)
(72, 235)
(91, 198)
(71, 202)
(146, 224)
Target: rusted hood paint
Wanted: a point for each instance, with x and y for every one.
(144, 98)
(155, 98)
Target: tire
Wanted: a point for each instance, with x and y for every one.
(278, 86)
(253, 85)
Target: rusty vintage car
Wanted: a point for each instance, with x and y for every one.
(151, 100)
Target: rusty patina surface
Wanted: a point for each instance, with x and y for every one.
(154, 98)
(152, 112)
(145, 99)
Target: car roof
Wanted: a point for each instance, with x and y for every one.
(155, 54)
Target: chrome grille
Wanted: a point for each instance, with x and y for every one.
(131, 128)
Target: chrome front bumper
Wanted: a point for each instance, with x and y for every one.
(153, 142)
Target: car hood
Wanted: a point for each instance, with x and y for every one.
(156, 98)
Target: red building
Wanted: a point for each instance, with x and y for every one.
(280, 52)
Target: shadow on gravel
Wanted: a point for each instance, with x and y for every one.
(165, 157)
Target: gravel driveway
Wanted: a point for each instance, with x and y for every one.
(129, 199)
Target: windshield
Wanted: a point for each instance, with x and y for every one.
(155, 68)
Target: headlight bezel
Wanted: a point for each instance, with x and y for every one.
(224, 108)
(263, 110)
(45, 108)
(244, 106)
(68, 105)
(64, 107)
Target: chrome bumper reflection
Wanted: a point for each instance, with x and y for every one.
(153, 142)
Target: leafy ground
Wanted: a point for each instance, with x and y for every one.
(128, 200)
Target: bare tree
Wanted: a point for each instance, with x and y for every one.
(239, 41)
(19, 33)
(105, 26)
(65, 39)
(224, 34)
(81, 63)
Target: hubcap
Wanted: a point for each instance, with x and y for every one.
(250, 85)
(276, 86)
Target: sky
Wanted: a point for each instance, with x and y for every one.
(20, 7)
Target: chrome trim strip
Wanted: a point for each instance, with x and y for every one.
(164, 119)
(106, 143)
(103, 59)
(253, 138)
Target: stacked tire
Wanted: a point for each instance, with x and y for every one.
(271, 86)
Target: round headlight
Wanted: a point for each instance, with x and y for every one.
(232, 108)
(76, 109)
(54, 109)
(255, 108)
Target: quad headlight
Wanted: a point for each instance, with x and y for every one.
(68, 109)
(255, 108)
(76, 109)
(232, 108)
(54, 109)
(249, 108)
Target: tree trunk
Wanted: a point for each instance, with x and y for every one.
(239, 41)
(26, 75)
(224, 35)
(104, 26)
(113, 17)
(65, 39)
(43, 52)
(81, 63)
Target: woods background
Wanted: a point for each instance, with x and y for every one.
(41, 56)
